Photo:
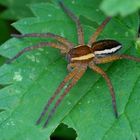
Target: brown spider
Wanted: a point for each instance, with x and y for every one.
(79, 58)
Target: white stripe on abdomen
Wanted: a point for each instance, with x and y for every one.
(107, 51)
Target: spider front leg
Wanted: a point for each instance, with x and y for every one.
(40, 45)
(60, 87)
(75, 79)
(108, 81)
(77, 21)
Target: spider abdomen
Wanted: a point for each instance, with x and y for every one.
(105, 47)
(81, 53)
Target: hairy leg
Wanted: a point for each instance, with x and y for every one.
(60, 87)
(112, 58)
(98, 31)
(77, 21)
(75, 79)
(63, 40)
(40, 45)
(110, 86)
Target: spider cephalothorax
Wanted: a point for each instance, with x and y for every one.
(79, 58)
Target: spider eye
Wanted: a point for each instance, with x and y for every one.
(68, 58)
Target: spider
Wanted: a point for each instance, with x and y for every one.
(79, 57)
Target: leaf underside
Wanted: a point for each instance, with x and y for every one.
(35, 76)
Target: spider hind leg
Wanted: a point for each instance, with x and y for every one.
(98, 31)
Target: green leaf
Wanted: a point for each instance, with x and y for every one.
(122, 7)
(35, 76)
(17, 9)
(137, 44)
(4, 31)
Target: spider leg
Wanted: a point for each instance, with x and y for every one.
(75, 79)
(60, 87)
(108, 81)
(71, 66)
(98, 31)
(112, 58)
(77, 21)
(40, 45)
(47, 35)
